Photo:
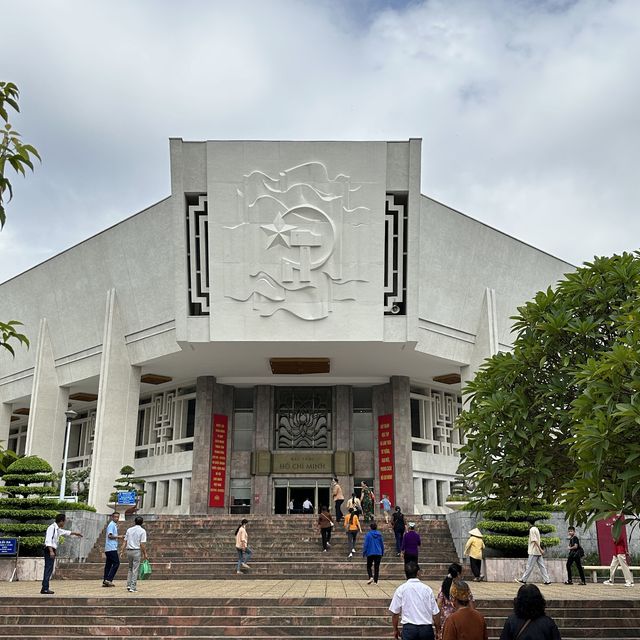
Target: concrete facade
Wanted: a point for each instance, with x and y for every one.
(266, 250)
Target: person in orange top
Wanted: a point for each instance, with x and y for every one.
(352, 525)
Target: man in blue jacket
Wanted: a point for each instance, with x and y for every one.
(373, 550)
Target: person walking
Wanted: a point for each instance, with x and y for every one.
(307, 506)
(414, 606)
(325, 522)
(528, 620)
(366, 499)
(535, 552)
(575, 556)
(354, 503)
(51, 538)
(465, 623)
(242, 547)
(373, 550)
(385, 505)
(135, 544)
(445, 600)
(112, 559)
(474, 550)
(410, 545)
(352, 525)
(338, 498)
(619, 559)
(398, 529)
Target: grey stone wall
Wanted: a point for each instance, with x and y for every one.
(90, 525)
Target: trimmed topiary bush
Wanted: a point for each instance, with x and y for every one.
(509, 532)
(28, 512)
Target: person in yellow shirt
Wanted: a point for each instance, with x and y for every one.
(352, 525)
(474, 549)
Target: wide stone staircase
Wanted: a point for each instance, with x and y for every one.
(284, 547)
(264, 619)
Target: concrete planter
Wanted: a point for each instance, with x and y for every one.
(507, 569)
(456, 506)
(28, 569)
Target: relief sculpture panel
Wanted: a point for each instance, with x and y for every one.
(303, 225)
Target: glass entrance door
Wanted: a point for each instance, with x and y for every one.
(289, 495)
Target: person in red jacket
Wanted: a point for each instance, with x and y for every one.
(620, 559)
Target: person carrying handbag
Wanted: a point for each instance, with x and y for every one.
(576, 552)
(326, 524)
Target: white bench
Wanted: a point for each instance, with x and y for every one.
(594, 569)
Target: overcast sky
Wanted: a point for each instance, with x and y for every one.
(529, 110)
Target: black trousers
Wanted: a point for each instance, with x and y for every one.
(326, 536)
(476, 566)
(574, 558)
(48, 569)
(338, 504)
(111, 565)
(373, 562)
(417, 632)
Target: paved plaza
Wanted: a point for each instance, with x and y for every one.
(249, 588)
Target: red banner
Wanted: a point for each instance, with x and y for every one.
(606, 543)
(385, 459)
(218, 460)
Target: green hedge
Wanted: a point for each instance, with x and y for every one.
(14, 528)
(45, 503)
(23, 515)
(31, 490)
(32, 478)
(506, 527)
(29, 464)
(521, 516)
(515, 545)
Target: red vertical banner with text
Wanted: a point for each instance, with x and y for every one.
(385, 458)
(217, 478)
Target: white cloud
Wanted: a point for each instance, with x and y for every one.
(527, 109)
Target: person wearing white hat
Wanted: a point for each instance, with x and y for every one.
(474, 549)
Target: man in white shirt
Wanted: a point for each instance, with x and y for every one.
(535, 552)
(307, 506)
(414, 605)
(135, 544)
(54, 531)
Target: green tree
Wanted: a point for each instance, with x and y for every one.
(18, 156)
(606, 445)
(128, 482)
(521, 428)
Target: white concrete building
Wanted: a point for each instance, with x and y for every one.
(298, 292)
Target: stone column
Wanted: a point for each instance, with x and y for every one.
(5, 422)
(343, 435)
(263, 409)
(211, 398)
(49, 401)
(117, 409)
(400, 390)
(382, 405)
(199, 494)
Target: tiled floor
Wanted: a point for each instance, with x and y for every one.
(247, 586)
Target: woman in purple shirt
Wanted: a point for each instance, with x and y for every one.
(410, 544)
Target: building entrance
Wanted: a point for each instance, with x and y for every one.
(288, 495)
